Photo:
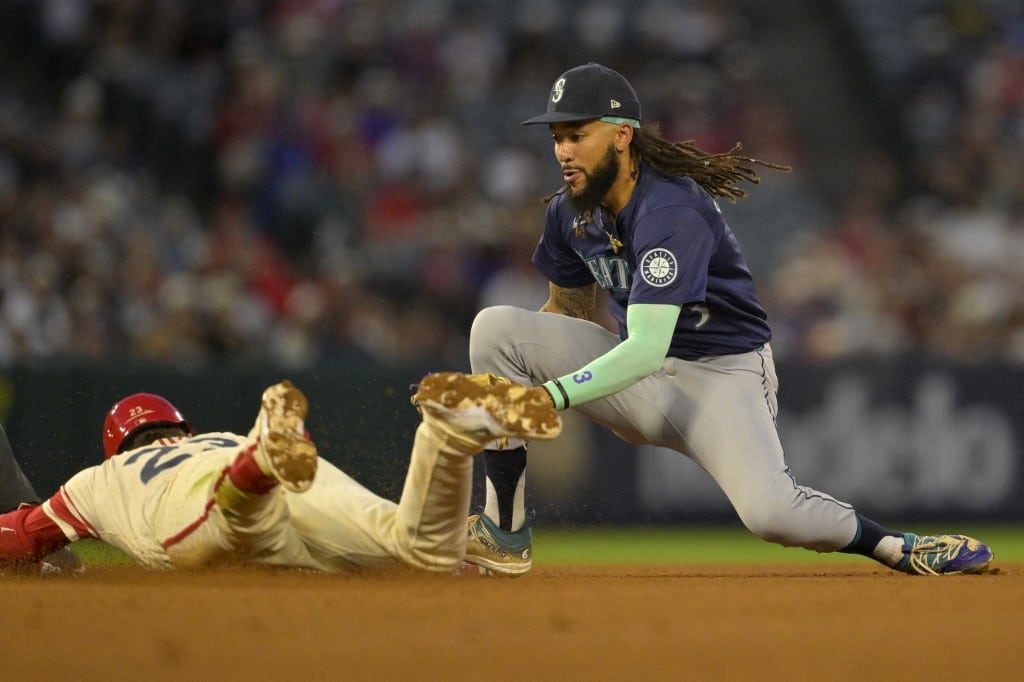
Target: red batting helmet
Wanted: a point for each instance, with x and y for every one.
(134, 412)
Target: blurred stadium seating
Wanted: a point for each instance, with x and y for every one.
(294, 180)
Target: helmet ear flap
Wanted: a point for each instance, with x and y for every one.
(131, 413)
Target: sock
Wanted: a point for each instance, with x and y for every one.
(243, 487)
(876, 542)
(504, 470)
(247, 476)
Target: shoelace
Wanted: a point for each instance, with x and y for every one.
(929, 552)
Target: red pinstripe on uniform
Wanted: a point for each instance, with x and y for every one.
(191, 528)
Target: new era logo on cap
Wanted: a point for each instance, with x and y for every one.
(587, 92)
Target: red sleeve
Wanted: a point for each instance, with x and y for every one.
(27, 534)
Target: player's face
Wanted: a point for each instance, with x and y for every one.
(590, 164)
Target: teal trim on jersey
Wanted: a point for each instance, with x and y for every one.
(650, 328)
(616, 121)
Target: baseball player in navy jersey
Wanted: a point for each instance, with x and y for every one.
(691, 368)
(169, 498)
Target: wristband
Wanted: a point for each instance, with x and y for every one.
(555, 383)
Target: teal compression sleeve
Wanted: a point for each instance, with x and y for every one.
(650, 327)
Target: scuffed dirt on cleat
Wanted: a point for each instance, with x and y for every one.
(289, 452)
(522, 411)
(293, 459)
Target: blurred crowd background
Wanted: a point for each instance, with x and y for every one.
(293, 181)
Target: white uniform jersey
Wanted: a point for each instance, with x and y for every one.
(141, 500)
(159, 505)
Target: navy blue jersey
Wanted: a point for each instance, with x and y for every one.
(676, 249)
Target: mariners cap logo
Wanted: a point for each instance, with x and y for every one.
(558, 90)
(659, 268)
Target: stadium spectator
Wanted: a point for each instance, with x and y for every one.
(249, 170)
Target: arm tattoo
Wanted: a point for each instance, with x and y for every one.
(579, 302)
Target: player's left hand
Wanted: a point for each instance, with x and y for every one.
(64, 561)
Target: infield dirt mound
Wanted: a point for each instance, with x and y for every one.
(799, 622)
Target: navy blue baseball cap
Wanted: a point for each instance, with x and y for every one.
(591, 91)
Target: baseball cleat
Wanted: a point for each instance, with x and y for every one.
(499, 552)
(489, 407)
(284, 450)
(943, 555)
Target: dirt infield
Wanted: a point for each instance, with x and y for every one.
(800, 622)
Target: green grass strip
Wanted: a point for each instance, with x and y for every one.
(602, 545)
(658, 545)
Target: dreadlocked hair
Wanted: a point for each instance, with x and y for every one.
(716, 173)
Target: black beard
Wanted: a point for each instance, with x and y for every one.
(597, 183)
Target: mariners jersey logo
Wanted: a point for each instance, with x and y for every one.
(659, 267)
(558, 90)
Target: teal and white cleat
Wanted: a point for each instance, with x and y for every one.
(943, 555)
(499, 552)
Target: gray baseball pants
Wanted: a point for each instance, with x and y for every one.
(719, 411)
